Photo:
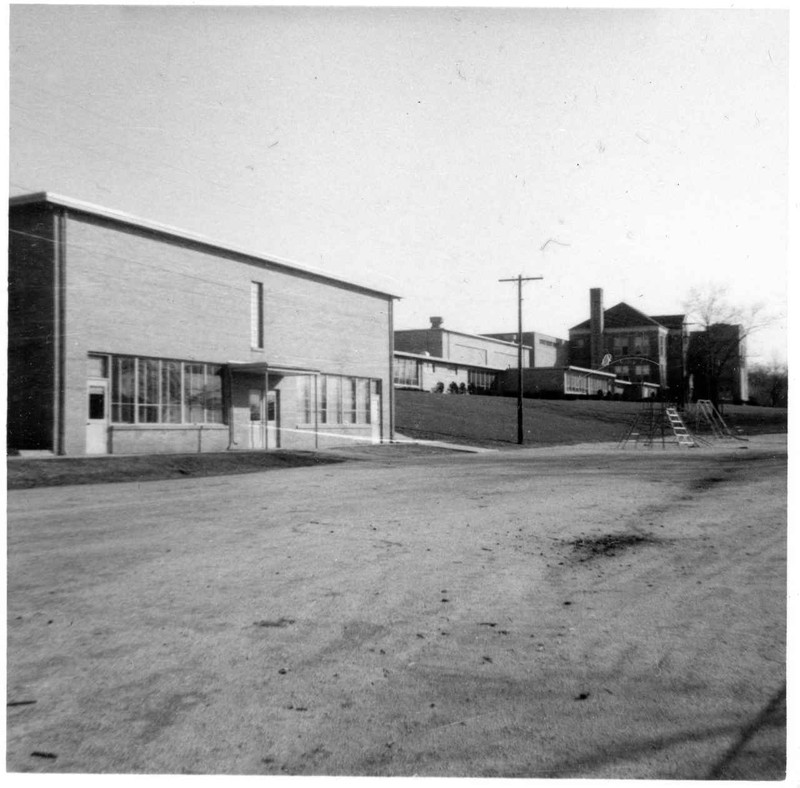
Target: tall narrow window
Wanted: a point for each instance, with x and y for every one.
(306, 399)
(362, 399)
(148, 391)
(257, 315)
(123, 390)
(193, 393)
(171, 392)
(334, 401)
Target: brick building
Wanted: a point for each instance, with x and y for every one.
(127, 336)
(643, 349)
(717, 363)
(427, 357)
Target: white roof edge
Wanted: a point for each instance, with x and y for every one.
(592, 371)
(443, 361)
(464, 334)
(175, 232)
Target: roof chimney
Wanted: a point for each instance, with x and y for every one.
(436, 322)
(596, 327)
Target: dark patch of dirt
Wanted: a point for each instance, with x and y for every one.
(706, 483)
(608, 544)
(279, 623)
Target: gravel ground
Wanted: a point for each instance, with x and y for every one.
(565, 612)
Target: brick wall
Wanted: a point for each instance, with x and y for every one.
(130, 291)
(31, 331)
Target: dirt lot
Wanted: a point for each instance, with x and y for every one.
(565, 612)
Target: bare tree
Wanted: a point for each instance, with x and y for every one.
(717, 357)
(769, 384)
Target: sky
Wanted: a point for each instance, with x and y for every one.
(431, 152)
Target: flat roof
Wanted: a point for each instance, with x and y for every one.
(450, 362)
(51, 198)
(485, 337)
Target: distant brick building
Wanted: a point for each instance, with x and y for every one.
(717, 363)
(642, 349)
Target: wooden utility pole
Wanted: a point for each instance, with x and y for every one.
(519, 280)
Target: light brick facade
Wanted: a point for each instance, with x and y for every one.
(167, 319)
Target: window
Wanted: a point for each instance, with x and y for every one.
(158, 391)
(576, 383)
(98, 367)
(171, 388)
(362, 401)
(123, 381)
(306, 397)
(406, 372)
(621, 346)
(97, 402)
(349, 401)
(257, 315)
(148, 391)
(480, 381)
(193, 385)
(344, 400)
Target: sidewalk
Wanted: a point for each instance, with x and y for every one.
(404, 439)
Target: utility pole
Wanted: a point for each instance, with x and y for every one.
(519, 280)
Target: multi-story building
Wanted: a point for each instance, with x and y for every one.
(634, 346)
(126, 336)
(717, 363)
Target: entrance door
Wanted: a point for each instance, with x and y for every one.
(375, 411)
(97, 417)
(272, 419)
(257, 421)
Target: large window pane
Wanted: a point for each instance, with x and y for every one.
(362, 401)
(123, 382)
(171, 392)
(305, 393)
(193, 394)
(349, 400)
(148, 391)
(213, 394)
(334, 403)
(323, 399)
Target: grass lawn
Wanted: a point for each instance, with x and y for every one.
(492, 421)
(472, 420)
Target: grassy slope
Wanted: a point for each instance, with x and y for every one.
(492, 421)
(482, 421)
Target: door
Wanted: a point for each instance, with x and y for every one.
(97, 417)
(257, 421)
(375, 410)
(273, 415)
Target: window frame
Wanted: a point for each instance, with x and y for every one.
(140, 395)
(256, 315)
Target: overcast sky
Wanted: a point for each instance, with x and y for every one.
(431, 152)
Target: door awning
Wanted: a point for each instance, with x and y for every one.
(262, 367)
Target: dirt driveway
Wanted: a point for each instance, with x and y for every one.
(532, 613)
